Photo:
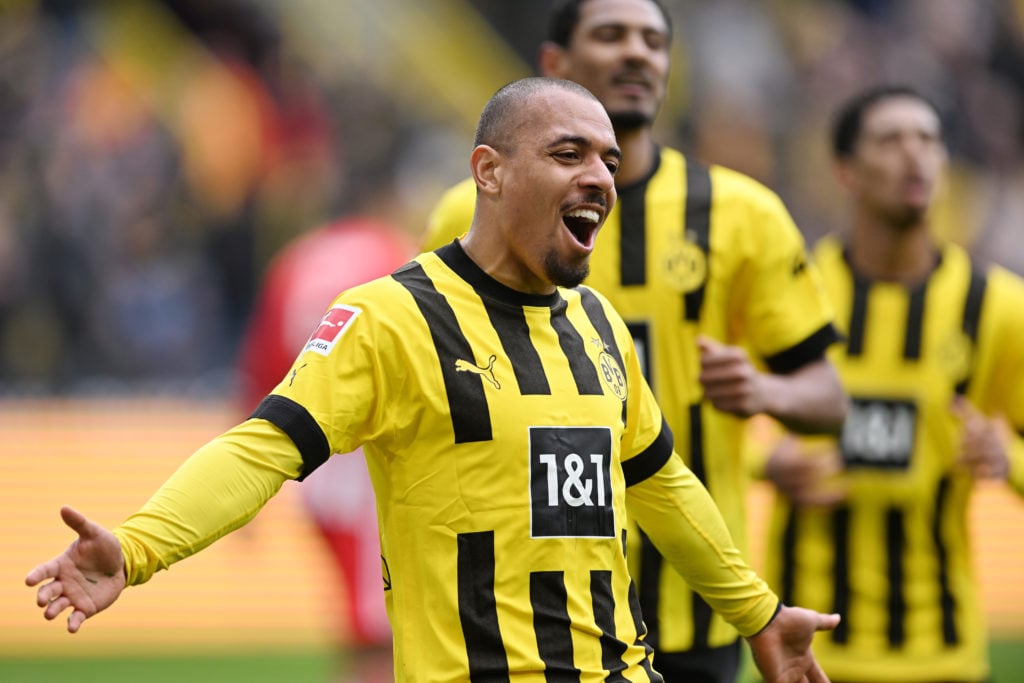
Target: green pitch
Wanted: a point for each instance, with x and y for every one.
(1007, 662)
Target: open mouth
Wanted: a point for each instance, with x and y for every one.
(582, 225)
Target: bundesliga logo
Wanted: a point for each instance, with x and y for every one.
(330, 329)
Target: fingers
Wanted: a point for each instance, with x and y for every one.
(76, 620)
(48, 593)
(76, 520)
(706, 343)
(816, 674)
(827, 622)
(54, 609)
(47, 570)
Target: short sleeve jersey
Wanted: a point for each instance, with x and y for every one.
(694, 250)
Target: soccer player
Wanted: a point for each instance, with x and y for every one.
(709, 272)
(507, 426)
(874, 523)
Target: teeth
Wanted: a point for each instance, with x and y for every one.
(585, 214)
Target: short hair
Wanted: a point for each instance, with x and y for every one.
(849, 120)
(566, 17)
(498, 119)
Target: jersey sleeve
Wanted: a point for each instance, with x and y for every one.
(999, 365)
(334, 398)
(677, 513)
(215, 491)
(451, 217)
(788, 320)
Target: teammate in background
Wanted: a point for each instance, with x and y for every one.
(300, 283)
(474, 377)
(703, 264)
(874, 523)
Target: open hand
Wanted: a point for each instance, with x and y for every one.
(87, 577)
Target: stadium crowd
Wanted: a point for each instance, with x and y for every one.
(152, 160)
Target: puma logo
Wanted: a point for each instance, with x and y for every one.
(294, 373)
(486, 372)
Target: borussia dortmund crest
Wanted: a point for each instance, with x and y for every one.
(955, 355)
(686, 265)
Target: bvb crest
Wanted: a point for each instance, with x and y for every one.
(686, 265)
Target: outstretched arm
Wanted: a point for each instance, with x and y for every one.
(782, 650)
(87, 577)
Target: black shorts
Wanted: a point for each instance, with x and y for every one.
(708, 665)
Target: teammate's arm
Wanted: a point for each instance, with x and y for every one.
(809, 399)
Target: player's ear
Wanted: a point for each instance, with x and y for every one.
(842, 170)
(551, 60)
(486, 164)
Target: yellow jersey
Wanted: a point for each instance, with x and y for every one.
(505, 435)
(693, 250)
(894, 558)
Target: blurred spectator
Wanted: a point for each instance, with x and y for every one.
(214, 128)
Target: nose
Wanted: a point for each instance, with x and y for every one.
(597, 176)
(635, 46)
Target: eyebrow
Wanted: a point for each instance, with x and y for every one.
(581, 141)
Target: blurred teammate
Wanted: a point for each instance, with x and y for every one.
(507, 426)
(874, 524)
(704, 264)
(299, 285)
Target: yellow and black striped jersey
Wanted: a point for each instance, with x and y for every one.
(695, 250)
(501, 431)
(894, 558)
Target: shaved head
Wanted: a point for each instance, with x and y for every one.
(501, 119)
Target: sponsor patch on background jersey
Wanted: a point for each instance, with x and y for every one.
(331, 327)
(879, 433)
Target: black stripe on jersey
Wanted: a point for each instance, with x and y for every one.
(641, 334)
(595, 312)
(649, 576)
(478, 609)
(641, 630)
(858, 316)
(633, 234)
(949, 631)
(304, 431)
(841, 573)
(895, 539)
(651, 459)
(788, 579)
(915, 322)
(514, 333)
(697, 226)
(972, 315)
(552, 625)
(701, 610)
(467, 402)
(811, 349)
(697, 442)
(583, 371)
(612, 648)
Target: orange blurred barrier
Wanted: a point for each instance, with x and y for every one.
(270, 585)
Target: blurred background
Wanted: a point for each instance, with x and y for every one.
(156, 154)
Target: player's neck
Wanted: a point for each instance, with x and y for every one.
(880, 252)
(639, 155)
